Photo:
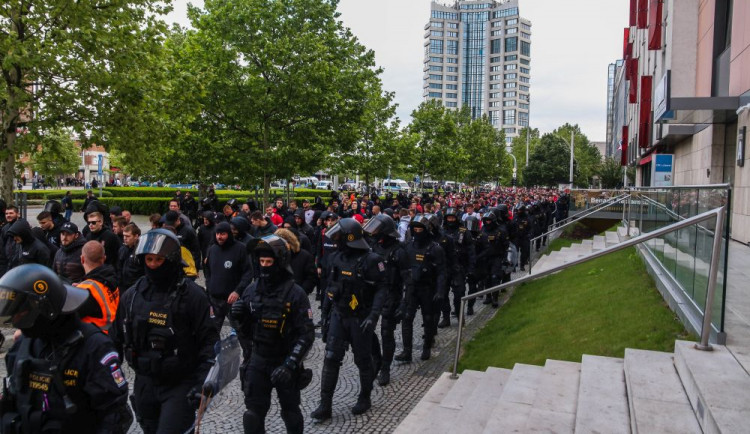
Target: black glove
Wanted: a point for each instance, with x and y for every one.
(282, 376)
(194, 397)
(368, 325)
(238, 310)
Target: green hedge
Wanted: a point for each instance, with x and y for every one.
(58, 194)
(169, 192)
(136, 205)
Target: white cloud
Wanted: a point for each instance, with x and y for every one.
(573, 42)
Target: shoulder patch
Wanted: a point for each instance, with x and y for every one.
(381, 266)
(109, 358)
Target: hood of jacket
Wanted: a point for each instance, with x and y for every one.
(22, 228)
(104, 274)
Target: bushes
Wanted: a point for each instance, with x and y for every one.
(169, 192)
(58, 194)
(136, 205)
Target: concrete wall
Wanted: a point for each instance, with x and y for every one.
(739, 78)
(705, 48)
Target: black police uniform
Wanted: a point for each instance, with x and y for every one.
(452, 266)
(356, 293)
(428, 289)
(278, 320)
(522, 237)
(495, 253)
(465, 253)
(398, 276)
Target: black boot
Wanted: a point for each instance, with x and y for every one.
(363, 403)
(470, 309)
(487, 299)
(407, 333)
(384, 377)
(366, 378)
(495, 296)
(328, 379)
(445, 322)
(403, 356)
(426, 347)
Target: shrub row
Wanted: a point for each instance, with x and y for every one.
(58, 194)
(146, 205)
(169, 192)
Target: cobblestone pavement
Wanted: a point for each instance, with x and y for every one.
(390, 404)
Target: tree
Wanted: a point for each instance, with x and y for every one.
(482, 150)
(610, 173)
(56, 155)
(437, 151)
(284, 84)
(549, 164)
(587, 157)
(91, 66)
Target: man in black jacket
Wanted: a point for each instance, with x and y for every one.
(67, 262)
(228, 271)
(240, 227)
(7, 244)
(28, 249)
(185, 234)
(206, 232)
(129, 267)
(98, 232)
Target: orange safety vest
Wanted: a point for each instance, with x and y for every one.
(106, 298)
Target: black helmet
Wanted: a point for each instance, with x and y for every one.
(381, 224)
(160, 242)
(325, 215)
(32, 290)
(420, 220)
(472, 223)
(206, 202)
(489, 218)
(434, 222)
(450, 211)
(234, 203)
(349, 230)
(53, 206)
(278, 248)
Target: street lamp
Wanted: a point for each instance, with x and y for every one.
(515, 170)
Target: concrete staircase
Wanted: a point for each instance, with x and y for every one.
(688, 391)
(584, 248)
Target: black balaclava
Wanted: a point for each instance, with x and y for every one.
(272, 275)
(46, 328)
(165, 276)
(421, 238)
(451, 225)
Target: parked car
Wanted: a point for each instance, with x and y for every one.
(396, 185)
(324, 185)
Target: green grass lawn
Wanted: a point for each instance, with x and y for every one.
(599, 308)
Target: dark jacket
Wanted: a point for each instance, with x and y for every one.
(305, 273)
(67, 263)
(7, 246)
(31, 250)
(129, 269)
(188, 239)
(269, 229)
(228, 268)
(111, 244)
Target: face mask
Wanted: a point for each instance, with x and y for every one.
(164, 276)
(269, 275)
(420, 237)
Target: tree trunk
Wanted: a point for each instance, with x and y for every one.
(7, 173)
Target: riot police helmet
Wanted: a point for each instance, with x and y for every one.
(472, 223)
(450, 211)
(233, 203)
(490, 218)
(206, 202)
(31, 291)
(349, 231)
(160, 242)
(53, 206)
(420, 220)
(275, 247)
(435, 222)
(381, 224)
(503, 210)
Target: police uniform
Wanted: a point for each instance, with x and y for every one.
(465, 255)
(494, 252)
(63, 375)
(356, 293)
(275, 314)
(163, 327)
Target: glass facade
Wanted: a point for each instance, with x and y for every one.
(474, 26)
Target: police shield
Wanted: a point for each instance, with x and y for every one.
(226, 368)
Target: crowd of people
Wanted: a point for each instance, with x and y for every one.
(83, 301)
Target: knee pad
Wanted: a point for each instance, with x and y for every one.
(335, 349)
(251, 422)
(293, 420)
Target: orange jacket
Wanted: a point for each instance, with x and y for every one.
(106, 298)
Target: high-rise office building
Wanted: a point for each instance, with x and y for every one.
(478, 54)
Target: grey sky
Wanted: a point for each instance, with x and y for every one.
(572, 44)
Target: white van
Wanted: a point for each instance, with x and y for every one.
(396, 185)
(309, 181)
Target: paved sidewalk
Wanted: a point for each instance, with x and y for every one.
(737, 316)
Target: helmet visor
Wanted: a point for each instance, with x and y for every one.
(157, 244)
(18, 308)
(374, 227)
(334, 232)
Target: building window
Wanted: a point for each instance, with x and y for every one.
(525, 48)
(526, 35)
(497, 33)
(496, 46)
(525, 70)
(511, 31)
(451, 69)
(495, 117)
(509, 103)
(509, 117)
(511, 76)
(436, 86)
(436, 46)
(436, 77)
(523, 106)
(511, 85)
(525, 80)
(510, 131)
(436, 59)
(511, 44)
(496, 86)
(474, 6)
(496, 59)
(511, 58)
(451, 86)
(496, 104)
(436, 95)
(440, 15)
(452, 25)
(510, 94)
(511, 22)
(523, 88)
(451, 104)
(436, 68)
(452, 47)
(437, 25)
(451, 77)
(437, 33)
(526, 26)
(451, 95)
(511, 66)
(497, 23)
(495, 95)
(523, 119)
(505, 13)
(496, 77)
(496, 68)
(453, 34)
(523, 96)
(525, 61)
(451, 60)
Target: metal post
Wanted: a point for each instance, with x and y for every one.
(527, 146)
(572, 151)
(640, 210)
(713, 273)
(530, 256)
(461, 317)
(628, 222)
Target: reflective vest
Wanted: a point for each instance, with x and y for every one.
(106, 298)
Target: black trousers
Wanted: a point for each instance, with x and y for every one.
(160, 408)
(257, 389)
(422, 299)
(344, 331)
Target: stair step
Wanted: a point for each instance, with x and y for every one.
(600, 242)
(513, 408)
(587, 243)
(465, 385)
(414, 422)
(479, 405)
(602, 397)
(655, 394)
(554, 408)
(716, 385)
(622, 232)
(611, 238)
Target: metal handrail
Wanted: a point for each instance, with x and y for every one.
(577, 217)
(718, 213)
(563, 222)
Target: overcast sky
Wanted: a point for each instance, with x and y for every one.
(573, 42)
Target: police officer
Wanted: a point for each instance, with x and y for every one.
(275, 314)
(522, 238)
(464, 252)
(165, 331)
(494, 252)
(385, 242)
(427, 290)
(475, 280)
(356, 292)
(63, 375)
(451, 265)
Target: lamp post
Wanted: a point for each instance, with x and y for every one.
(515, 171)
(527, 146)
(572, 134)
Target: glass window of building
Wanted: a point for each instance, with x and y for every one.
(496, 68)
(526, 27)
(437, 33)
(496, 86)
(452, 25)
(509, 103)
(497, 23)
(511, 58)
(511, 85)
(495, 95)
(511, 44)
(453, 34)
(526, 35)
(436, 95)
(509, 12)
(497, 33)
(525, 48)
(509, 131)
(495, 117)
(525, 80)
(523, 96)
(451, 69)
(525, 70)
(451, 77)
(523, 88)
(511, 22)
(452, 47)
(436, 86)
(496, 104)
(525, 61)
(496, 77)
(523, 119)
(451, 104)
(441, 15)
(510, 94)
(451, 60)
(496, 46)
(451, 86)
(436, 59)
(496, 59)
(511, 31)
(436, 46)
(451, 95)
(436, 77)
(436, 24)
(509, 117)
(436, 68)
(511, 76)
(511, 66)
(523, 106)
